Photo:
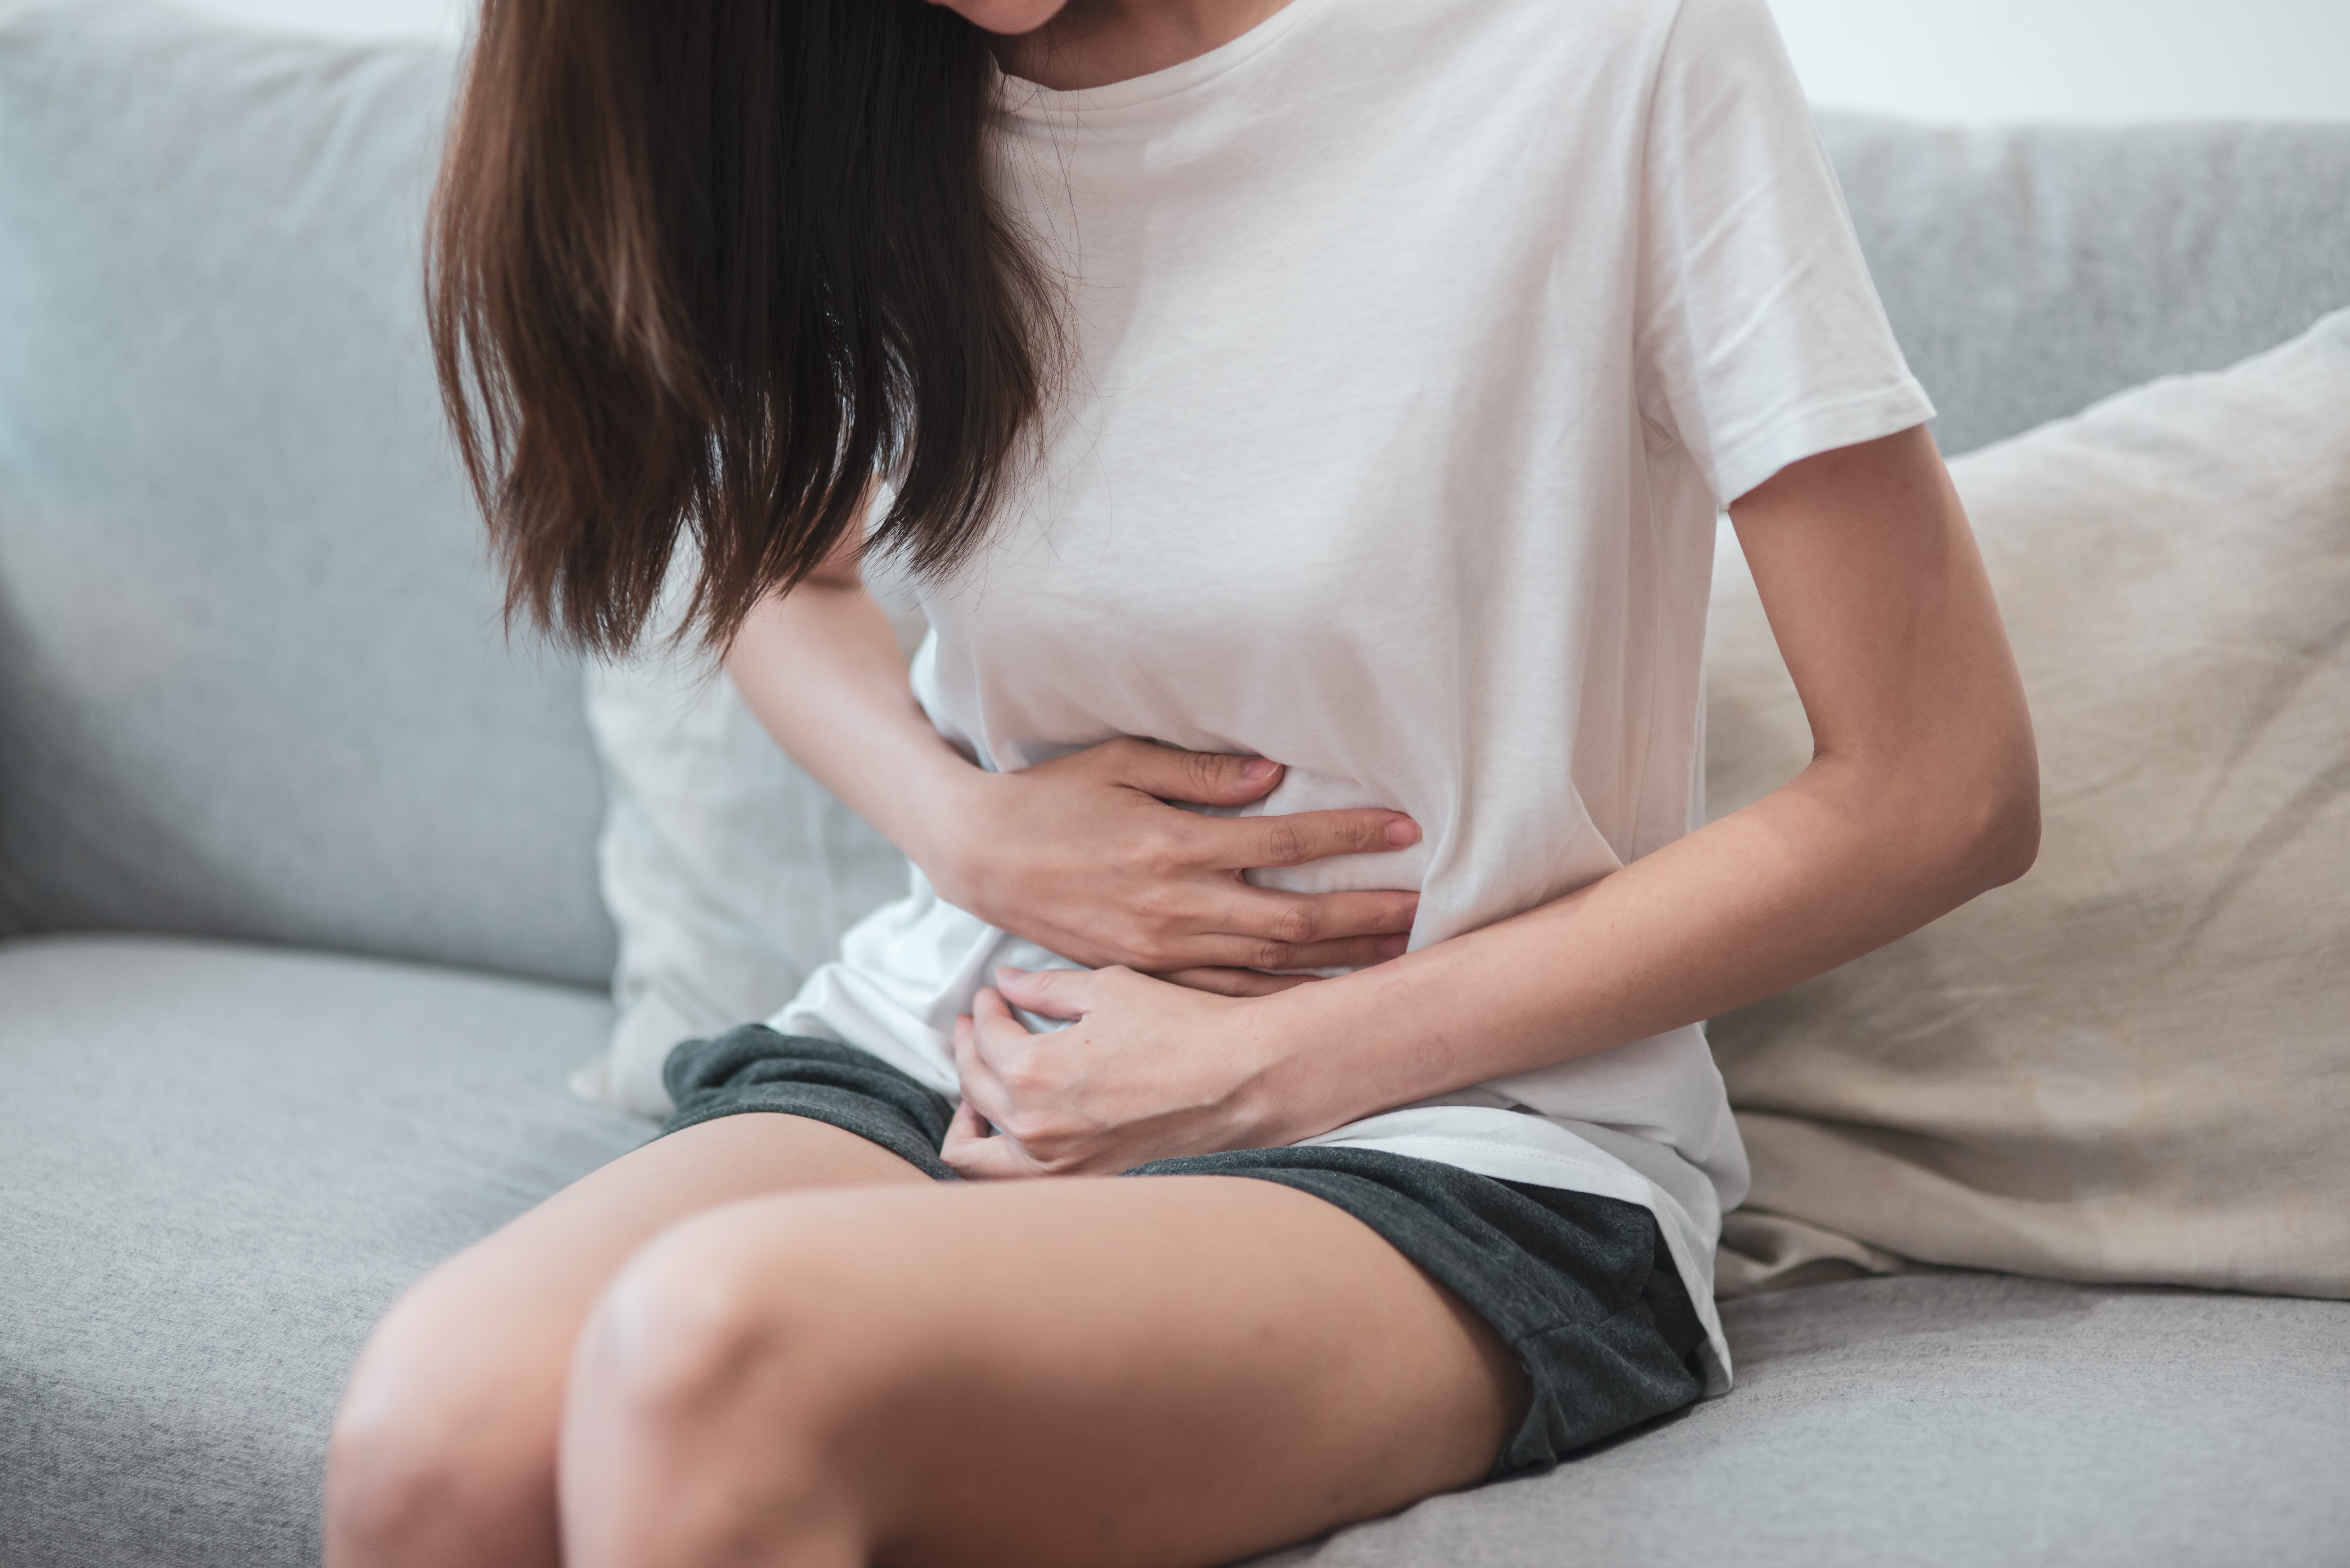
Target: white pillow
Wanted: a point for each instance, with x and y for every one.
(728, 870)
(2135, 1063)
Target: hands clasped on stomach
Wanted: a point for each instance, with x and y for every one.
(1085, 857)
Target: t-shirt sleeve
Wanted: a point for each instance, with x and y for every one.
(1762, 340)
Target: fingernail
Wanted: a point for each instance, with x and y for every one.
(1259, 768)
(1393, 947)
(1401, 832)
(1007, 972)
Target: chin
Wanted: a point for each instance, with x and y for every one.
(1009, 17)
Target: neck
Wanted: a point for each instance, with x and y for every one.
(1093, 43)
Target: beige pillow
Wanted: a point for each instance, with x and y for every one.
(2135, 1063)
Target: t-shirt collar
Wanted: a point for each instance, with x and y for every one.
(1028, 100)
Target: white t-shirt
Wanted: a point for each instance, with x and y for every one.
(1418, 344)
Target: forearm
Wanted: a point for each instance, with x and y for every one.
(1829, 867)
(822, 671)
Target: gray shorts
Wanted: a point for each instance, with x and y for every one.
(1581, 1288)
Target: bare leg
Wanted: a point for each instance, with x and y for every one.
(1162, 1371)
(444, 1452)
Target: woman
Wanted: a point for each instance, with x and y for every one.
(1315, 414)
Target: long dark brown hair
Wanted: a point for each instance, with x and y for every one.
(702, 269)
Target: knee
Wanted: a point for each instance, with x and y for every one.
(384, 1481)
(720, 1325)
(421, 1456)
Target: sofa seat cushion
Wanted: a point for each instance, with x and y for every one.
(219, 1164)
(1957, 1419)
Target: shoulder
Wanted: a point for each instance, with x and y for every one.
(1735, 28)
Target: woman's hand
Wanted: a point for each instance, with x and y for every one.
(1149, 1071)
(1084, 857)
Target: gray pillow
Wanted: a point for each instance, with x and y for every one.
(730, 872)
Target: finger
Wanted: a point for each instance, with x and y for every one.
(966, 1125)
(1253, 953)
(1048, 992)
(982, 1091)
(973, 1147)
(984, 1159)
(992, 1023)
(1202, 778)
(1236, 908)
(989, 1003)
(1299, 837)
(971, 1154)
(1236, 981)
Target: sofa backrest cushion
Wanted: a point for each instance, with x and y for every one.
(2030, 272)
(253, 680)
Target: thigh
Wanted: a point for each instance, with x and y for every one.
(1164, 1371)
(518, 1295)
(452, 1409)
(555, 1258)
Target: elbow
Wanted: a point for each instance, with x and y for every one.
(1995, 830)
(1957, 822)
(2009, 845)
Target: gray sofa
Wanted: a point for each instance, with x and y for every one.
(297, 876)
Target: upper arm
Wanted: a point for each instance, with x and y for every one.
(840, 569)
(839, 574)
(1877, 596)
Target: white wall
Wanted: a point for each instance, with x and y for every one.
(1972, 61)
(1962, 61)
(346, 18)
